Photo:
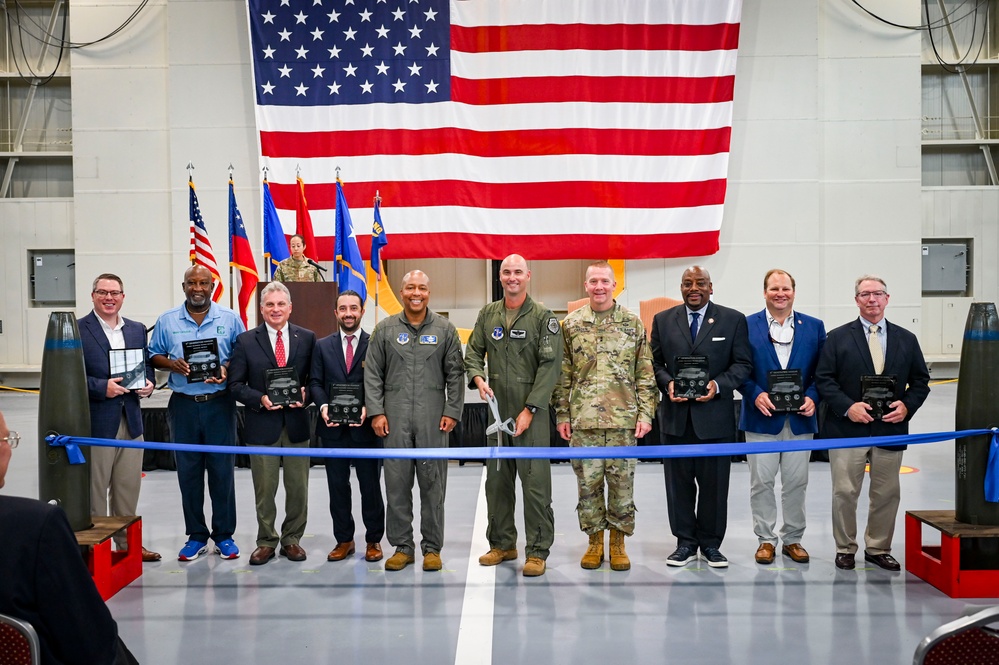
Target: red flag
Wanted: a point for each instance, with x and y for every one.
(303, 224)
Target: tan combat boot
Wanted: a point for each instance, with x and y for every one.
(618, 557)
(595, 552)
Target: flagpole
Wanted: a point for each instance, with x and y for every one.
(190, 183)
(378, 199)
(231, 288)
(337, 260)
(263, 231)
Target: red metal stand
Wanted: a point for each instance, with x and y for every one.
(941, 566)
(112, 571)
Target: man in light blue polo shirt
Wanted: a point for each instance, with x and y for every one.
(201, 412)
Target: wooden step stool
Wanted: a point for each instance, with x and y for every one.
(941, 566)
(112, 571)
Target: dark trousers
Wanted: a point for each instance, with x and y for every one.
(207, 423)
(372, 504)
(697, 494)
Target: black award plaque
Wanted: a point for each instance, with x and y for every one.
(129, 365)
(878, 390)
(346, 403)
(202, 357)
(691, 378)
(283, 386)
(785, 390)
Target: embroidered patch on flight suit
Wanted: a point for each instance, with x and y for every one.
(403, 338)
(428, 339)
(497, 333)
(518, 334)
(553, 325)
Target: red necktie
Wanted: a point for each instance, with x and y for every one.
(350, 351)
(282, 360)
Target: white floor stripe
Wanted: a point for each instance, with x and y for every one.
(475, 632)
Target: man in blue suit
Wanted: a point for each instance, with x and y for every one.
(339, 358)
(115, 473)
(273, 344)
(782, 339)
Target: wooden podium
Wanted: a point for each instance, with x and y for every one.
(312, 306)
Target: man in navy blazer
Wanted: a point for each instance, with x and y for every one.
(115, 473)
(782, 339)
(697, 487)
(329, 365)
(868, 346)
(46, 583)
(275, 343)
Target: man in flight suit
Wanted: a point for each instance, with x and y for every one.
(522, 341)
(414, 394)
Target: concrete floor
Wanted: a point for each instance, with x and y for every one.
(212, 611)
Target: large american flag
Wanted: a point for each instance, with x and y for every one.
(551, 128)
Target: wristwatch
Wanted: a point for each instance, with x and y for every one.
(530, 407)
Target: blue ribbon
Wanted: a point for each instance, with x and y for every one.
(992, 470)
(72, 443)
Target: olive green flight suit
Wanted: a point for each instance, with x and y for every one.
(524, 362)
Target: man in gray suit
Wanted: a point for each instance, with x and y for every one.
(697, 487)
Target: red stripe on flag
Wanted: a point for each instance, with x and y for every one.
(513, 196)
(510, 143)
(620, 36)
(482, 246)
(594, 89)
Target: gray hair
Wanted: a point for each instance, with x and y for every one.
(272, 287)
(868, 278)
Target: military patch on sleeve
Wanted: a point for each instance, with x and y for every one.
(553, 325)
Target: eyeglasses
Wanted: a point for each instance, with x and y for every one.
(774, 340)
(867, 294)
(104, 294)
(13, 438)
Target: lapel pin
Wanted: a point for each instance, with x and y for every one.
(711, 320)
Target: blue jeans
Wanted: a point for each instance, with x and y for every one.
(208, 423)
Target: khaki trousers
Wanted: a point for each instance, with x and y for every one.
(847, 465)
(115, 475)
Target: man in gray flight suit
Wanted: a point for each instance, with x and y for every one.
(414, 395)
(522, 342)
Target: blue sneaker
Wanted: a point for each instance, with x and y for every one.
(227, 549)
(192, 550)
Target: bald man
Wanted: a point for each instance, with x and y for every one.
(521, 342)
(414, 394)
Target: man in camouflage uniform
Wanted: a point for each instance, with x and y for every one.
(296, 268)
(606, 397)
(522, 342)
(414, 393)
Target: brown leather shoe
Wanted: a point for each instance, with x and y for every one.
(261, 555)
(399, 560)
(534, 567)
(496, 556)
(432, 561)
(765, 553)
(294, 552)
(372, 552)
(886, 561)
(148, 557)
(796, 552)
(341, 551)
(845, 561)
